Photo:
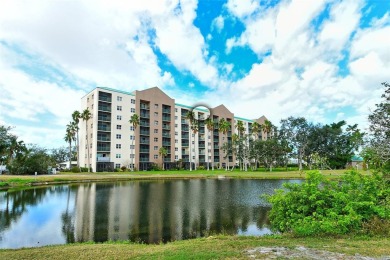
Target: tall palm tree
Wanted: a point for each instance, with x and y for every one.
(190, 116)
(210, 127)
(69, 137)
(240, 128)
(267, 127)
(163, 152)
(224, 127)
(256, 128)
(76, 120)
(86, 115)
(134, 120)
(195, 129)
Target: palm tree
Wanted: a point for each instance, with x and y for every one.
(267, 127)
(134, 120)
(224, 127)
(195, 128)
(15, 148)
(210, 127)
(86, 115)
(163, 152)
(256, 129)
(190, 116)
(69, 137)
(76, 120)
(240, 128)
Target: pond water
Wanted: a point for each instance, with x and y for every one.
(139, 211)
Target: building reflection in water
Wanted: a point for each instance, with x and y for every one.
(161, 211)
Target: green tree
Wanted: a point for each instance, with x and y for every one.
(256, 129)
(210, 127)
(69, 138)
(134, 121)
(76, 116)
(86, 115)
(190, 117)
(163, 152)
(223, 127)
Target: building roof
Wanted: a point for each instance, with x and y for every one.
(356, 158)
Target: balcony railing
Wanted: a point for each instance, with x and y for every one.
(103, 159)
(144, 141)
(185, 129)
(185, 136)
(185, 144)
(104, 118)
(144, 133)
(166, 143)
(104, 108)
(166, 135)
(145, 115)
(104, 128)
(216, 147)
(105, 99)
(166, 118)
(144, 150)
(104, 139)
(103, 149)
(143, 123)
(167, 127)
(146, 107)
(201, 146)
(166, 110)
(144, 159)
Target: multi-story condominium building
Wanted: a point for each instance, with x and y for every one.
(114, 142)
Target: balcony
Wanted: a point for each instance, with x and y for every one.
(184, 152)
(103, 159)
(185, 128)
(144, 141)
(216, 147)
(184, 121)
(104, 108)
(144, 133)
(103, 148)
(201, 146)
(201, 131)
(144, 150)
(144, 106)
(166, 110)
(166, 127)
(105, 99)
(216, 154)
(166, 118)
(185, 136)
(145, 115)
(144, 123)
(185, 144)
(166, 143)
(104, 118)
(104, 128)
(166, 135)
(146, 159)
(103, 139)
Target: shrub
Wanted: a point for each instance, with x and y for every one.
(320, 206)
(75, 169)
(124, 168)
(201, 167)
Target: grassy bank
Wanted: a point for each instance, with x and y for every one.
(19, 181)
(218, 247)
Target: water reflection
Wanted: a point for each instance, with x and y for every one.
(141, 211)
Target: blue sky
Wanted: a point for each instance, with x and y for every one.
(322, 59)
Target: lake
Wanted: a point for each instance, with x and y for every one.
(139, 211)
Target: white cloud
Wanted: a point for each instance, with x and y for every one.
(218, 23)
(242, 8)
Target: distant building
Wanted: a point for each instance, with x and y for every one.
(356, 162)
(65, 165)
(113, 141)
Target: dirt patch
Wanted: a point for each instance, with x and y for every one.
(303, 253)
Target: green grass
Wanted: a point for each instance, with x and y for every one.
(10, 181)
(217, 247)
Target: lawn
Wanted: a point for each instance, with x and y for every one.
(217, 247)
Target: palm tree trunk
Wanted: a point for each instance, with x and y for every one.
(190, 156)
(86, 129)
(70, 155)
(78, 150)
(132, 157)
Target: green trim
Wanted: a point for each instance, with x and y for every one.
(356, 158)
(185, 106)
(119, 91)
(245, 119)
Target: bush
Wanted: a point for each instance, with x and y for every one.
(319, 206)
(124, 168)
(201, 167)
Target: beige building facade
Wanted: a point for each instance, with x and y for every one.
(109, 141)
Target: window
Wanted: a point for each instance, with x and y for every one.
(131, 128)
(118, 155)
(132, 110)
(176, 149)
(155, 122)
(132, 146)
(92, 107)
(119, 127)
(90, 145)
(176, 141)
(91, 126)
(119, 117)
(155, 148)
(176, 157)
(118, 146)
(156, 106)
(175, 117)
(193, 157)
(175, 109)
(118, 136)
(132, 101)
(193, 135)
(119, 108)
(91, 135)
(87, 99)
(132, 137)
(155, 156)
(175, 125)
(193, 142)
(156, 131)
(118, 98)
(155, 139)
(176, 133)
(155, 114)
(118, 165)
